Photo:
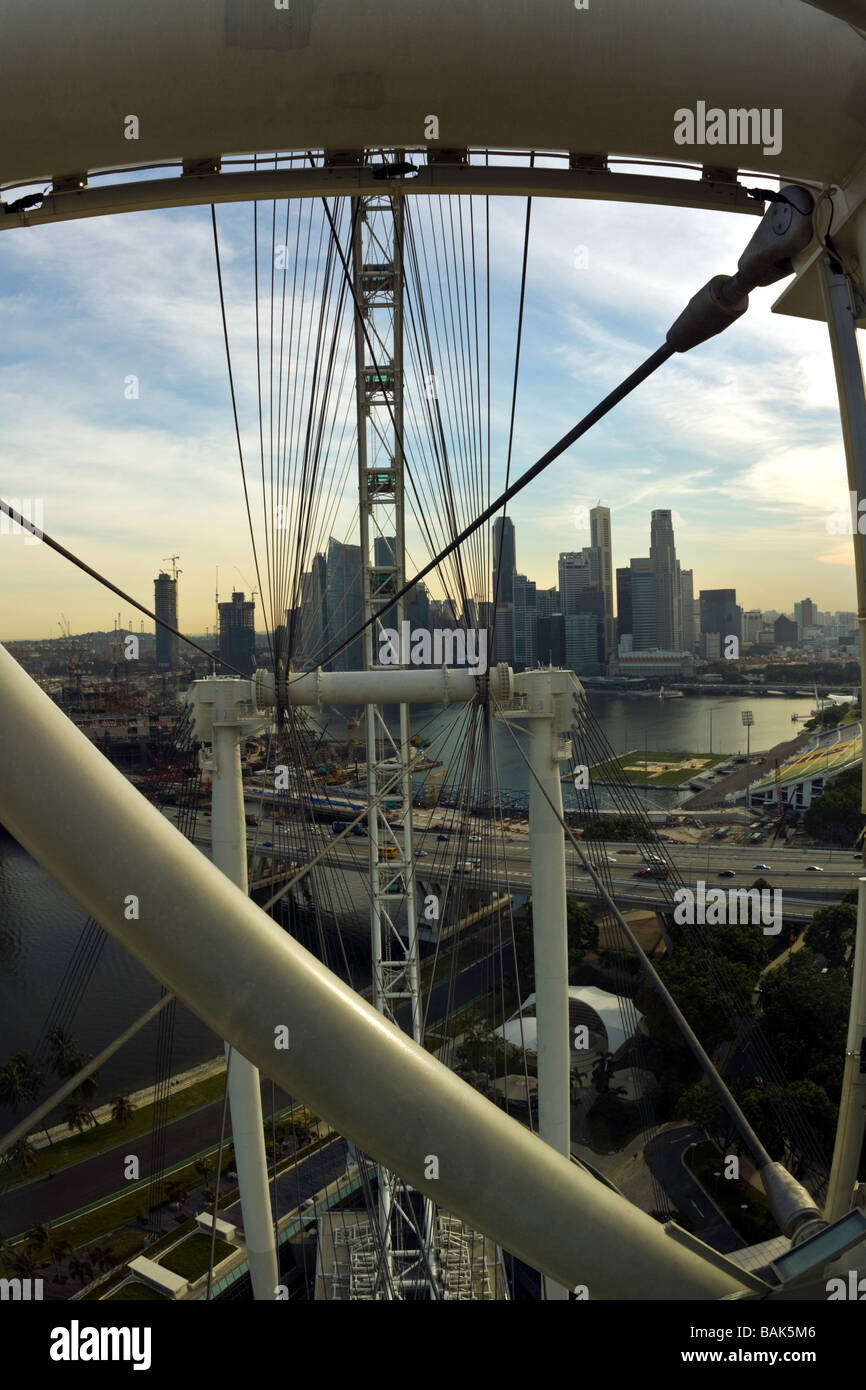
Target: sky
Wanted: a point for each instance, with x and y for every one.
(739, 438)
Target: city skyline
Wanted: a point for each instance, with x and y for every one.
(701, 441)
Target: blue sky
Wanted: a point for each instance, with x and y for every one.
(740, 438)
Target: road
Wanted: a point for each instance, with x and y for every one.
(93, 1179)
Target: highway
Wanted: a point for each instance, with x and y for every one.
(507, 858)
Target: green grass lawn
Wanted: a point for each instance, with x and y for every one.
(191, 1258)
(100, 1137)
(632, 764)
(136, 1293)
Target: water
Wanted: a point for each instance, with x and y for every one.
(40, 924)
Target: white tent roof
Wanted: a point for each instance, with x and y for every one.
(610, 1009)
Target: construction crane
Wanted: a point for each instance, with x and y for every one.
(174, 569)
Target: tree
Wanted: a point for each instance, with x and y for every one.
(66, 1059)
(22, 1155)
(76, 1115)
(835, 816)
(20, 1081)
(121, 1110)
(805, 1015)
(25, 1263)
(39, 1235)
(80, 1270)
(831, 933)
(700, 1105)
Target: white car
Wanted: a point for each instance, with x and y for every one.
(762, 866)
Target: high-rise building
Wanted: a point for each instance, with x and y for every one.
(687, 610)
(643, 605)
(308, 623)
(578, 570)
(525, 622)
(238, 633)
(550, 640)
(344, 605)
(418, 606)
(752, 624)
(623, 603)
(805, 614)
(547, 602)
(599, 531)
(383, 578)
(504, 559)
(584, 642)
(719, 613)
(663, 558)
(165, 608)
(785, 631)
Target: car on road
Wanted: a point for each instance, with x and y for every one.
(422, 854)
(441, 837)
(762, 866)
(475, 839)
(468, 866)
(610, 859)
(268, 844)
(727, 873)
(814, 869)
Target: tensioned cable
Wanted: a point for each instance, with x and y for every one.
(101, 579)
(640, 374)
(516, 376)
(235, 410)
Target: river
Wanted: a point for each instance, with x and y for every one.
(40, 924)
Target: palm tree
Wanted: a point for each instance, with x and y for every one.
(58, 1248)
(20, 1081)
(121, 1110)
(39, 1235)
(65, 1056)
(76, 1115)
(22, 1155)
(101, 1255)
(204, 1167)
(80, 1269)
(26, 1263)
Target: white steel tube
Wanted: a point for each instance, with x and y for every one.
(384, 685)
(229, 839)
(209, 943)
(549, 930)
(837, 296)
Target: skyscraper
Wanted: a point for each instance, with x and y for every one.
(344, 605)
(504, 560)
(308, 624)
(663, 558)
(719, 614)
(805, 614)
(525, 622)
(643, 605)
(165, 608)
(584, 642)
(687, 610)
(578, 570)
(623, 603)
(599, 532)
(238, 633)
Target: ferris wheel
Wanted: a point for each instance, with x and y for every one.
(378, 144)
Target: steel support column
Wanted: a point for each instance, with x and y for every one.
(838, 296)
